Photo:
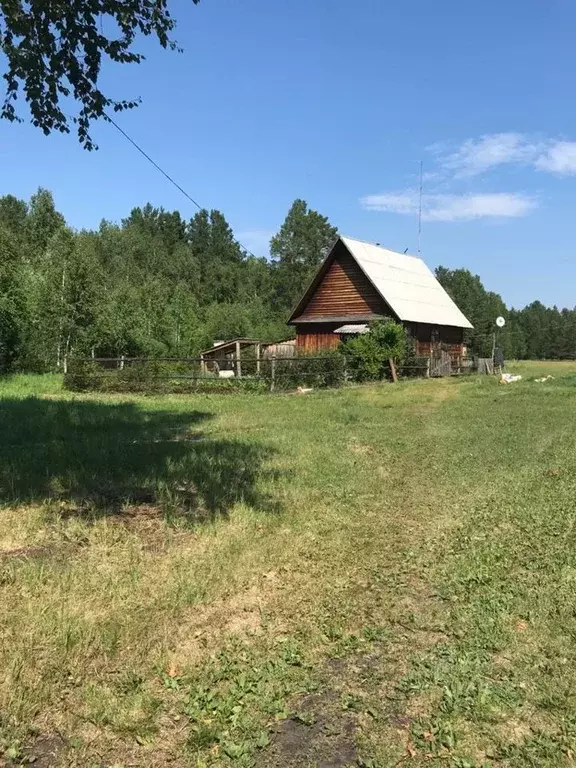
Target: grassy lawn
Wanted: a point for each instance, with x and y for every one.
(373, 577)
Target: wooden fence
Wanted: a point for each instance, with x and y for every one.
(199, 374)
(194, 374)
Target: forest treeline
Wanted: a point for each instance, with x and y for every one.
(156, 284)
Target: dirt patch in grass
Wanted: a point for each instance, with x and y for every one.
(54, 551)
(326, 728)
(44, 752)
(28, 552)
(319, 734)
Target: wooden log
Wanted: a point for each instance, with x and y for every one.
(393, 370)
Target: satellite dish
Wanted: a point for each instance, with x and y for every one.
(500, 322)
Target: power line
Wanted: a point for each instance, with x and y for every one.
(155, 164)
(166, 175)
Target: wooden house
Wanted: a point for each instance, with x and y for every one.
(359, 282)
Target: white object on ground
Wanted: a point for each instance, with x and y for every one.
(226, 374)
(304, 390)
(544, 378)
(508, 378)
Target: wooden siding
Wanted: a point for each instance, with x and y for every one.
(426, 348)
(434, 337)
(308, 343)
(443, 334)
(344, 290)
(314, 337)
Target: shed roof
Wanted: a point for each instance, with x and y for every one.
(405, 283)
(351, 328)
(232, 343)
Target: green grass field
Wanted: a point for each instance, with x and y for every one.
(380, 576)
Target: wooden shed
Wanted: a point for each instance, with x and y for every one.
(227, 355)
(359, 282)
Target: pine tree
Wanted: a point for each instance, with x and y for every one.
(43, 221)
(298, 249)
(218, 256)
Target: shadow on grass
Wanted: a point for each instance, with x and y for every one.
(97, 458)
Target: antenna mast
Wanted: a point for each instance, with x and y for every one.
(420, 207)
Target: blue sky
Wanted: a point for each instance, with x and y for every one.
(337, 101)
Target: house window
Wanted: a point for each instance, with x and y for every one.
(435, 335)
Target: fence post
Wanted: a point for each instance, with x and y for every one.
(238, 363)
(393, 370)
(272, 372)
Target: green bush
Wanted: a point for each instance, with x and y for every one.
(367, 355)
(82, 375)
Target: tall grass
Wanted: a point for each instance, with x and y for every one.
(21, 385)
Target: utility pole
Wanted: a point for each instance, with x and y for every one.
(420, 207)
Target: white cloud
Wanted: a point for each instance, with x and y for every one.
(256, 240)
(453, 207)
(448, 182)
(401, 202)
(480, 206)
(476, 156)
(429, 176)
(559, 157)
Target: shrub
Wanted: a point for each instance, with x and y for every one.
(82, 376)
(367, 355)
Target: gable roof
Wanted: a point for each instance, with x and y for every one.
(404, 282)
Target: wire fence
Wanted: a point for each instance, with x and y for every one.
(232, 374)
(192, 374)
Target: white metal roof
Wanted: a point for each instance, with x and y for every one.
(407, 285)
(356, 328)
